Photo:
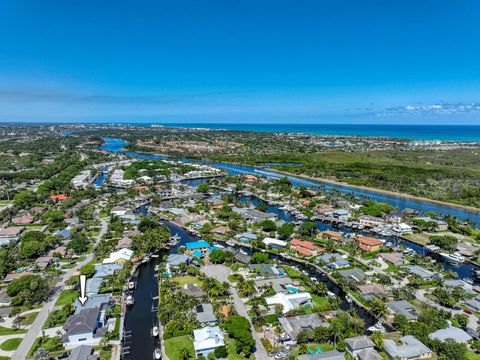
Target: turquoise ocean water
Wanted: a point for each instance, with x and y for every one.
(414, 132)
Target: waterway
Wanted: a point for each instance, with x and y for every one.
(140, 318)
(117, 145)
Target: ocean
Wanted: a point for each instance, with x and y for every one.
(469, 133)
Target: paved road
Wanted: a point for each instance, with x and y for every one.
(36, 327)
(221, 272)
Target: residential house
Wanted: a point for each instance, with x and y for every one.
(372, 291)
(402, 307)
(370, 221)
(278, 284)
(289, 302)
(175, 260)
(193, 290)
(246, 237)
(340, 215)
(23, 220)
(439, 224)
(86, 327)
(43, 261)
(295, 324)
(274, 243)
(369, 354)
(305, 248)
(358, 343)
(421, 272)
(357, 275)
(266, 270)
(11, 232)
(205, 315)
(409, 348)
(124, 242)
(333, 260)
(82, 352)
(197, 248)
(368, 244)
(121, 256)
(395, 258)
(328, 355)
(402, 228)
(452, 332)
(331, 235)
(207, 339)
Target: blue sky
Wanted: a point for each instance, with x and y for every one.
(316, 61)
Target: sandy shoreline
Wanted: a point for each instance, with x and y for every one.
(380, 191)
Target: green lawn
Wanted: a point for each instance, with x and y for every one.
(4, 358)
(322, 302)
(8, 331)
(174, 346)
(5, 202)
(182, 280)
(324, 347)
(473, 356)
(67, 297)
(28, 319)
(10, 344)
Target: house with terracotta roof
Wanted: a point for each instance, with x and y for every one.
(23, 220)
(368, 244)
(305, 248)
(57, 198)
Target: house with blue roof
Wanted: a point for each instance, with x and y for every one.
(197, 248)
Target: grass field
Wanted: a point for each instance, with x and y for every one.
(174, 346)
(10, 344)
(182, 280)
(8, 331)
(28, 319)
(67, 297)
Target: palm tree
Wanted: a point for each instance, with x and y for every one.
(377, 339)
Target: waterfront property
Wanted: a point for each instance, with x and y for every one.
(289, 302)
(207, 339)
(408, 348)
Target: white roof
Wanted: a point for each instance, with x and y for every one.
(122, 254)
(271, 241)
(288, 301)
(207, 338)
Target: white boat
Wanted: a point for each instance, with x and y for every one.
(378, 327)
(157, 354)
(348, 299)
(453, 258)
(231, 243)
(131, 285)
(174, 240)
(129, 300)
(157, 267)
(155, 331)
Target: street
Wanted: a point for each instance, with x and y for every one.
(36, 328)
(221, 272)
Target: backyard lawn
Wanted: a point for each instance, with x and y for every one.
(182, 280)
(174, 346)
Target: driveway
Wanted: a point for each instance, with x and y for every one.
(35, 329)
(221, 272)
